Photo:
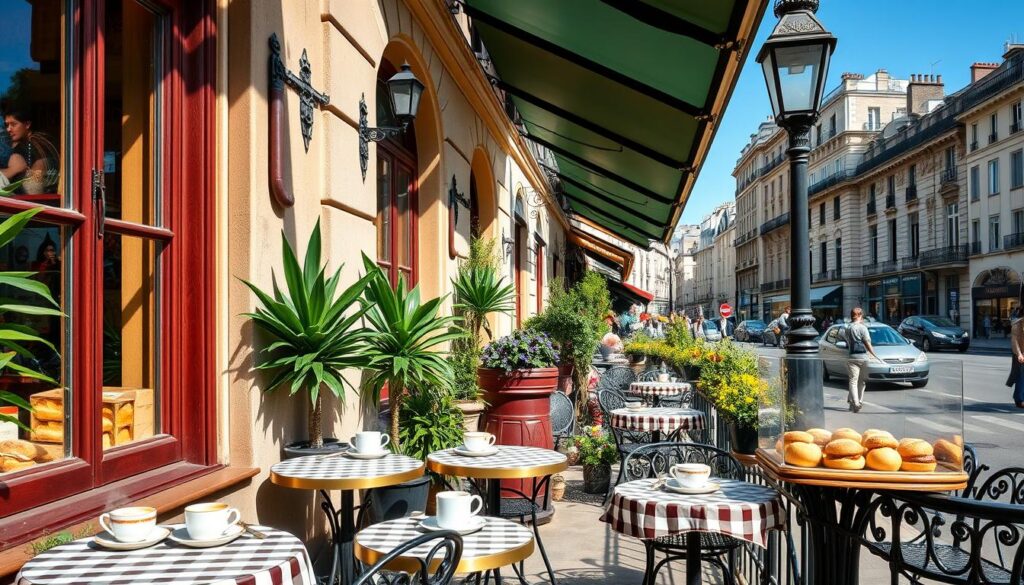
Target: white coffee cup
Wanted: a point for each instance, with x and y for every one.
(129, 524)
(454, 509)
(663, 378)
(691, 475)
(370, 441)
(207, 521)
(478, 441)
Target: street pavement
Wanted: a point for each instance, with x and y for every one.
(991, 422)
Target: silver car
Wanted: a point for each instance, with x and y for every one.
(711, 331)
(901, 361)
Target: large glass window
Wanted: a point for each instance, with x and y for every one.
(993, 176)
(396, 193)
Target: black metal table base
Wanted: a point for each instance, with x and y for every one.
(343, 529)
(835, 520)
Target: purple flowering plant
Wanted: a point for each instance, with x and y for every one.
(522, 350)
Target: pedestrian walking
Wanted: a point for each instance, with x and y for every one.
(858, 343)
(783, 325)
(986, 324)
(1016, 379)
(698, 328)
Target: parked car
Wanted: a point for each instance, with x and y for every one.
(749, 330)
(711, 331)
(769, 337)
(901, 361)
(935, 332)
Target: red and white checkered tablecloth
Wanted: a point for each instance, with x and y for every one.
(664, 419)
(658, 388)
(740, 509)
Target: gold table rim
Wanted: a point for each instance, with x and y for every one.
(345, 483)
(406, 564)
(497, 472)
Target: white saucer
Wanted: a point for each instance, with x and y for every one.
(180, 535)
(636, 407)
(357, 455)
(107, 540)
(673, 486)
(475, 524)
(467, 453)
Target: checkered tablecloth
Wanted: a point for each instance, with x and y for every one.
(507, 457)
(496, 537)
(742, 510)
(279, 559)
(340, 466)
(649, 389)
(664, 419)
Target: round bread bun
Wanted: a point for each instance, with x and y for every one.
(884, 459)
(958, 440)
(803, 454)
(797, 437)
(780, 447)
(914, 448)
(948, 452)
(921, 466)
(847, 434)
(821, 436)
(848, 463)
(843, 448)
(879, 441)
(876, 432)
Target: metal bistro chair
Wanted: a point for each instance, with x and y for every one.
(563, 418)
(617, 378)
(437, 567)
(650, 461)
(625, 441)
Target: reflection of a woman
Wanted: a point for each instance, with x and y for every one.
(33, 157)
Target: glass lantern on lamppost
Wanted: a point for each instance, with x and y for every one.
(795, 61)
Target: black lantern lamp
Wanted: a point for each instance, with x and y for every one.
(404, 92)
(795, 60)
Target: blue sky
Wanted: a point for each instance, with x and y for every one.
(902, 36)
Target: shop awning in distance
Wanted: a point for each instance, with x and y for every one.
(613, 257)
(625, 94)
(631, 294)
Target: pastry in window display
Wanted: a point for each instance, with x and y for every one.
(918, 455)
(948, 452)
(821, 436)
(884, 459)
(16, 454)
(800, 450)
(844, 454)
(847, 433)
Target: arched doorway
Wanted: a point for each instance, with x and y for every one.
(397, 191)
(994, 297)
(483, 203)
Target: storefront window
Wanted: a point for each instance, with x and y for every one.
(396, 193)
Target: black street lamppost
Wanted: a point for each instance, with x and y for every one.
(795, 60)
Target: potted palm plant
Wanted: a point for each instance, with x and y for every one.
(313, 335)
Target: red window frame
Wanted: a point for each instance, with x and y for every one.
(539, 243)
(39, 499)
(401, 158)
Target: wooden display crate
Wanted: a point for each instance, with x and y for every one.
(128, 415)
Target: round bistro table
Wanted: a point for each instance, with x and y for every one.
(653, 392)
(741, 510)
(510, 462)
(499, 543)
(341, 472)
(658, 420)
(278, 559)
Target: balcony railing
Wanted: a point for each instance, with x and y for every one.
(776, 285)
(975, 248)
(949, 175)
(1015, 128)
(890, 201)
(946, 255)
(834, 274)
(911, 193)
(910, 263)
(1013, 241)
(872, 207)
(827, 182)
(974, 145)
(993, 137)
(774, 223)
(880, 268)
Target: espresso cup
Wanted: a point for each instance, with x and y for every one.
(129, 524)
(478, 441)
(690, 475)
(370, 441)
(207, 521)
(454, 509)
(664, 378)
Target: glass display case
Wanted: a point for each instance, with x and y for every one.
(907, 432)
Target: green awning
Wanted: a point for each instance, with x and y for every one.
(622, 93)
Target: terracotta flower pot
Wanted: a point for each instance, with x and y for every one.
(557, 487)
(597, 478)
(565, 373)
(471, 411)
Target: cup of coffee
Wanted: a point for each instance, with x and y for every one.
(370, 441)
(691, 475)
(455, 509)
(478, 441)
(664, 378)
(206, 521)
(129, 524)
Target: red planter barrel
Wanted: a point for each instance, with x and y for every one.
(565, 378)
(519, 410)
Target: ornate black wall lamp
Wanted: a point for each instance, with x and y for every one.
(404, 90)
(309, 97)
(454, 200)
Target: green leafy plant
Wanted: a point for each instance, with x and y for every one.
(313, 330)
(430, 422)
(14, 336)
(403, 351)
(596, 448)
(38, 547)
(522, 350)
(594, 299)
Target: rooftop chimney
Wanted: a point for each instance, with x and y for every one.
(921, 90)
(881, 80)
(1012, 49)
(980, 70)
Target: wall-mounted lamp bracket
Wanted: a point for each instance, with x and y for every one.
(368, 135)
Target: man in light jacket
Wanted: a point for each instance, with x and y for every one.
(858, 343)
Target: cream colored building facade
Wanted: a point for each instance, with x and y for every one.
(686, 243)
(713, 264)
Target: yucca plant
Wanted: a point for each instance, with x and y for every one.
(14, 336)
(315, 332)
(404, 349)
(480, 292)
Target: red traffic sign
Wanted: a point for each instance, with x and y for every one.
(725, 310)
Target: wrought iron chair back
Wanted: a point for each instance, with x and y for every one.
(563, 417)
(648, 375)
(616, 378)
(437, 567)
(657, 459)
(612, 400)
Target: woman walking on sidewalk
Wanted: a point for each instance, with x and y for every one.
(1016, 378)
